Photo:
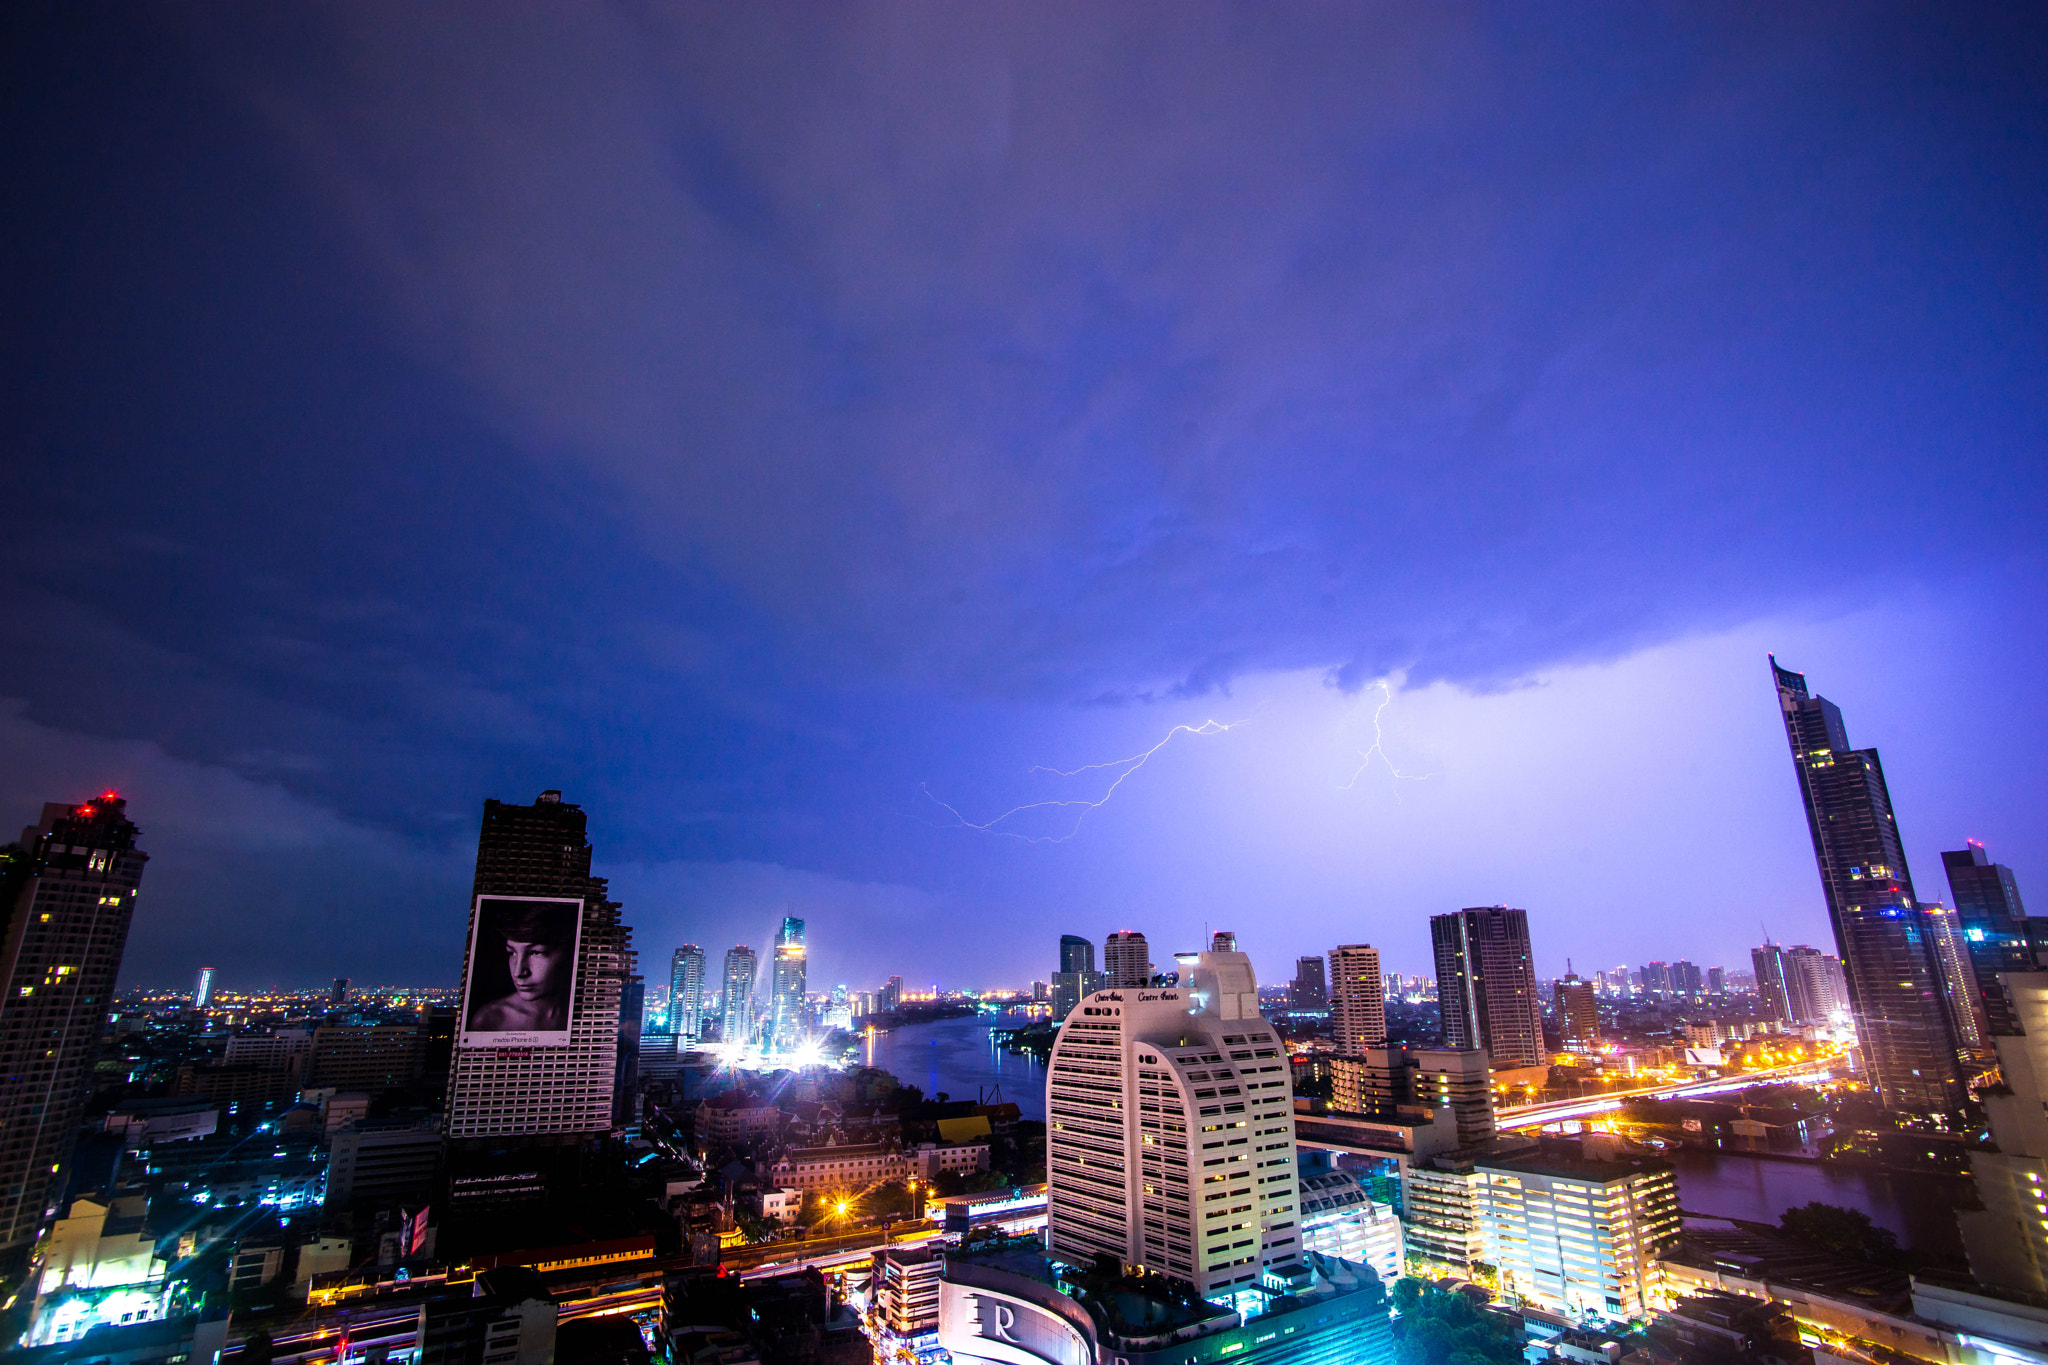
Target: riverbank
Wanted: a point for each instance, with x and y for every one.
(1757, 1187)
(958, 1058)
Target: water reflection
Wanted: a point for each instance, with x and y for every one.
(1920, 1209)
(955, 1057)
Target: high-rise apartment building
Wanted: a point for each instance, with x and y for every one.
(686, 994)
(1223, 941)
(790, 976)
(1656, 978)
(1170, 1119)
(1310, 990)
(1717, 981)
(1769, 963)
(536, 1047)
(69, 896)
(1578, 1012)
(1358, 999)
(1994, 923)
(1902, 1016)
(1127, 961)
(736, 1016)
(890, 998)
(1686, 979)
(1486, 984)
(339, 994)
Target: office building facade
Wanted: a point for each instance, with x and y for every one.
(736, 1009)
(1486, 984)
(788, 981)
(1903, 1021)
(1578, 1012)
(1958, 976)
(1310, 990)
(1170, 1131)
(1768, 962)
(1127, 961)
(70, 898)
(686, 993)
(1994, 925)
(1358, 999)
(558, 1093)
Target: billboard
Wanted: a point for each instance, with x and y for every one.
(521, 985)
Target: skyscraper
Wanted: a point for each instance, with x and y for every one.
(1486, 984)
(1310, 991)
(1958, 976)
(536, 901)
(1076, 976)
(1358, 999)
(339, 995)
(1170, 1120)
(1994, 925)
(1769, 962)
(790, 977)
(1223, 941)
(736, 1019)
(1578, 1013)
(1812, 985)
(70, 893)
(1077, 954)
(1127, 960)
(686, 994)
(1902, 1016)
(203, 992)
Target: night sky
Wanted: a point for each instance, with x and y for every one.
(792, 431)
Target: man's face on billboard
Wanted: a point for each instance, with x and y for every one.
(535, 967)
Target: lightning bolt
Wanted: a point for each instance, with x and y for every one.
(1123, 767)
(1367, 754)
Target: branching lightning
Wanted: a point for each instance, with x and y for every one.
(1366, 755)
(1123, 768)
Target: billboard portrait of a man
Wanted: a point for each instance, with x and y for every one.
(522, 972)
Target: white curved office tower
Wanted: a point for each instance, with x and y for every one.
(1170, 1118)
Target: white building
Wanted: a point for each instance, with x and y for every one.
(1577, 1235)
(1338, 1218)
(1170, 1130)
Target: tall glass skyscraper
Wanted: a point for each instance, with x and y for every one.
(792, 972)
(1896, 989)
(736, 1020)
(686, 993)
(1994, 925)
(1486, 984)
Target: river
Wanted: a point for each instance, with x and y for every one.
(956, 1058)
(1919, 1209)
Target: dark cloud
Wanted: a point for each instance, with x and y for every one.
(740, 416)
